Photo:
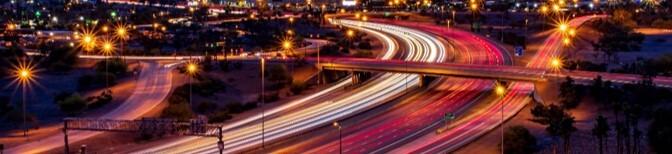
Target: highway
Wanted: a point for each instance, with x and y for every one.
(469, 128)
(373, 93)
(153, 85)
(418, 114)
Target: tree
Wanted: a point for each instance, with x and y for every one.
(297, 87)
(279, 74)
(558, 122)
(601, 131)
(570, 97)
(660, 132)
(624, 17)
(565, 129)
(72, 105)
(180, 111)
(114, 65)
(518, 140)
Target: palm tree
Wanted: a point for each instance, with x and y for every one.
(601, 130)
(566, 128)
(557, 120)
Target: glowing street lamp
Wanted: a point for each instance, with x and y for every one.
(192, 68)
(566, 41)
(357, 15)
(340, 136)
(556, 63)
(105, 29)
(350, 33)
(572, 32)
(287, 45)
(501, 90)
(474, 6)
(556, 8)
(544, 9)
(563, 27)
(24, 77)
(364, 18)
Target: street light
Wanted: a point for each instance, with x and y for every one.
(566, 41)
(563, 27)
(501, 90)
(105, 29)
(287, 45)
(364, 18)
(23, 77)
(340, 137)
(192, 68)
(350, 33)
(107, 50)
(572, 32)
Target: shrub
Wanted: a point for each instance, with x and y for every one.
(72, 105)
(181, 112)
(114, 66)
(104, 98)
(297, 87)
(204, 106)
(249, 106)
(175, 99)
(219, 117)
(235, 107)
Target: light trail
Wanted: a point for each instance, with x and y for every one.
(370, 95)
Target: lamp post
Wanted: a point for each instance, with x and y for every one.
(24, 76)
(556, 64)
(350, 34)
(263, 65)
(107, 50)
(122, 36)
(340, 137)
(191, 68)
(220, 143)
(501, 90)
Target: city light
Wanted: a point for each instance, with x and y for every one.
(192, 68)
(364, 18)
(556, 63)
(286, 45)
(572, 32)
(350, 33)
(563, 27)
(500, 90)
(105, 28)
(474, 6)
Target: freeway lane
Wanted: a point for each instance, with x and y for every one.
(419, 114)
(487, 119)
(370, 95)
(152, 87)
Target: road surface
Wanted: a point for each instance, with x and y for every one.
(153, 85)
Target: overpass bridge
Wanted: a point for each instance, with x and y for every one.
(505, 73)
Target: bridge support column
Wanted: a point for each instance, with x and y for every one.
(536, 95)
(355, 77)
(421, 79)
